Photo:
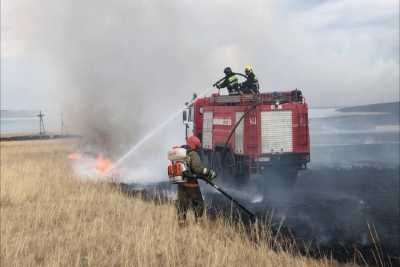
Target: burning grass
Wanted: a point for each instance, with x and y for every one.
(49, 217)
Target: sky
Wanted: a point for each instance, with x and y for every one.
(55, 53)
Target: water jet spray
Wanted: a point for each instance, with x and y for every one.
(154, 131)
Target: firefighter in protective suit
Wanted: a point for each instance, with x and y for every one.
(189, 194)
(230, 82)
(251, 85)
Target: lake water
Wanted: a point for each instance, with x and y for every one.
(9, 125)
(19, 125)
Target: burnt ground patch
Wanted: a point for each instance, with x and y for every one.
(349, 213)
(343, 210)
(346, 204)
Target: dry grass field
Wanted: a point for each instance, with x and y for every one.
(50, 218)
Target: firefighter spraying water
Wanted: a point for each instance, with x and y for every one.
(185, 168)
(241, 133)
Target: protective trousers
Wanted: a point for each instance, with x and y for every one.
(189, 197)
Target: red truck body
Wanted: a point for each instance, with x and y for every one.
(245, 134)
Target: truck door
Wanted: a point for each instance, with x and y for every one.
(187, 117)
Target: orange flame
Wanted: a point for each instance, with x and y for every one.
(75, 156)
(103, 165)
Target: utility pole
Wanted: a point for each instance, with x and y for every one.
(62, 124)
(42, 130)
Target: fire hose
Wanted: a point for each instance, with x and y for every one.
(234, 73)
(238, 122)
(239, 85)
(248, 212)
(234, 129)
(251, 215)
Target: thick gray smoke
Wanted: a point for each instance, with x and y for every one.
(126, 52)
(119, 69)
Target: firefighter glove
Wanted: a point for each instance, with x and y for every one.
(211, 175)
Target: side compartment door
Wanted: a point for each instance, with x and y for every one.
(239, 134)
(276, 131)
(207, 141)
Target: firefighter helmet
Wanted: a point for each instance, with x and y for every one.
(193, 142)
(248, 69)
(228, 70)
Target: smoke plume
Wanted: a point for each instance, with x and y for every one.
(118, 69)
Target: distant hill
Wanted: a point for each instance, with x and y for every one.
(391, 107)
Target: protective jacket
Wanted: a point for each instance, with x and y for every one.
(196, 168)
(231, 83)
(250, 86)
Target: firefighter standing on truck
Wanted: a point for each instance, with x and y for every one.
(250, 86)
(189, 194)
(230, 82)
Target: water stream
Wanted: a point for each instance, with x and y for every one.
(155, 130)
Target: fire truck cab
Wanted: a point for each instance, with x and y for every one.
(265, 134)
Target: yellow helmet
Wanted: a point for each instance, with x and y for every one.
(248, 68)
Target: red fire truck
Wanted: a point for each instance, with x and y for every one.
(265, 134)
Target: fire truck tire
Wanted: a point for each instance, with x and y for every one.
(229, 167)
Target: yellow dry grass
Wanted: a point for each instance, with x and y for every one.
(49, 218)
